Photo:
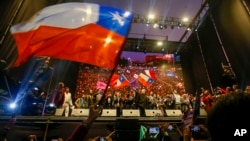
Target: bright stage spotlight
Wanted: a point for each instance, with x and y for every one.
(161, 26)
(12, 105)
(50, 109)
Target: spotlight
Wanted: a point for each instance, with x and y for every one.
(50, 108)
(179, 25)
(147, 23)
(51, 105)
(161, 26)
(12, 105)
(155, 25)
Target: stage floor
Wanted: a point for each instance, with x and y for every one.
(60, 126)
(50, 127)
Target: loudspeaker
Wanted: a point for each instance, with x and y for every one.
(80, 112)
(130, 113)
(127, 130)
(108, 113)
(127, 135)
(153, 113)
(59, 111)
(173, 113)
(127, 124)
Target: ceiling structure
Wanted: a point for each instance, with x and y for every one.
(168, 22)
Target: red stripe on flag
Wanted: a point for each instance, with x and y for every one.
(150, 73)
(114, 79)
(85, 44)
(144, 80)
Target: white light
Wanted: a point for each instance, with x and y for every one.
(108, 40)
(155, 25)
(51, 105)
(13, 105)
(185, 19)
(151, 16)
(126, 14)
(159, 43)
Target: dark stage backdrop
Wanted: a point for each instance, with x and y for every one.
(208, 48)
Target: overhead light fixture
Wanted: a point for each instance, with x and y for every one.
(162, 22)
(161, 26)
(179, 25)
(151, 16)
(159, 43)
(155, 25)
(147, 23)
(188, 29)
(185, 19)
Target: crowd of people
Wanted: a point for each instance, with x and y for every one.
(226, 118)
(225, 106)
(166, 92)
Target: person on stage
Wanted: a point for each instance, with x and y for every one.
(67, 104)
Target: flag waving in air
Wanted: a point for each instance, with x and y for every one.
(121, 82)
(145, 80)
(150, 73)
(114, 78)
(81, 32)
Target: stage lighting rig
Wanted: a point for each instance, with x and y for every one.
(162, 22)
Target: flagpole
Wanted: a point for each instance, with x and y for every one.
(101, 102)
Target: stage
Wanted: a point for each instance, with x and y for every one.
(60, 126)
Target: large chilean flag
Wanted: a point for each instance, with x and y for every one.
(81, 32)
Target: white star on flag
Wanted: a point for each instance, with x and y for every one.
(117, 17)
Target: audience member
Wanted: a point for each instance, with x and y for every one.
(81, 131)
(32, 138)
(226, 120)
(5, 129)
(228, 116)
(98, 138)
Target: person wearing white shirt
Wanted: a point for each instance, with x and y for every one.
(67, 102)
(177, 98)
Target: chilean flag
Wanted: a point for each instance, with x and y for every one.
(122, 82)
(114, 79)
(82, 32)
(150, 73)
(145, 80)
